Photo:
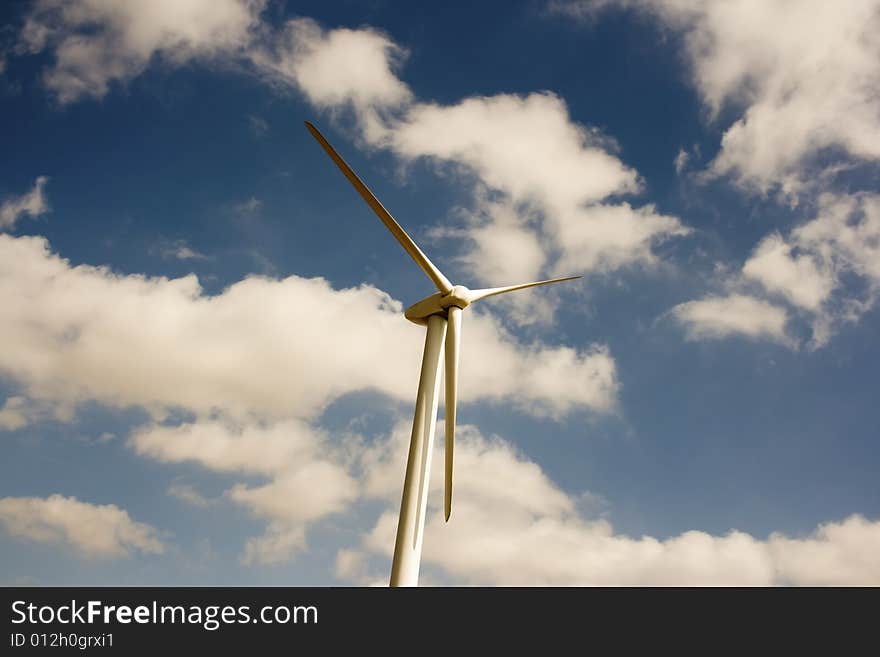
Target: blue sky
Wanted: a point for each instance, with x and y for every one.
(206, 374)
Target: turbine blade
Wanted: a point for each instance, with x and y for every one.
(476, 295)
(391, 224)
(453, 347)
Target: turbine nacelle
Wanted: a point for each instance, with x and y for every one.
(438, 304)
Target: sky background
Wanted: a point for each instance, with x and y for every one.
(205, 373)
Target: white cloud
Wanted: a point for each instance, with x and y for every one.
(844, 239)
(277, 545)
(798, 278)
(251, 364)
(836, 554)
(95, 42)
(337, 68)
(19, 411)
(511, 525)
(483, 468)
(179, 250)
(501, 246)
(188, 494)
(227, 448)
(525, 145)
(256, 350)
(681, 160)
(504, 248)
(801, 77)
(566, 377)
(606, 237)
(555, 178)
(507, 516)
(350, 565)
(307, 478)
(32, 204)
(845, 234)
(827, 268)
(736, 314)
(186, 253)
(94, 530)
(15, 413)
(309, 490)
(804, 101)
(341, 69)
(553, 174)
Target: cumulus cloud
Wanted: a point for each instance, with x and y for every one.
(553, 174)
(93, 530)
(551, 181)
(224, 447)
(19, 411)
(606, 237)
(842, 246)
(520, 145)
(255, 350)
(508, 516)
(306, 477)
(837, 553)
(553, 177)
(826, 270)
(801, 103)
(503, 246)
(337, 69)
(32, 204)
(64, 324)
(797, 277)
(801, 96)
(95, 43)
(277, 545)
(250, 364)
(14, 413)
(720, 317)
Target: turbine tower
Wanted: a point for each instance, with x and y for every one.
(441, 313)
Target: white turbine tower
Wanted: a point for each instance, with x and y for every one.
(441, 313)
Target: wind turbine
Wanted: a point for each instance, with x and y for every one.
(441, 313)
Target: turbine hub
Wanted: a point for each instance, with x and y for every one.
(459, 296)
